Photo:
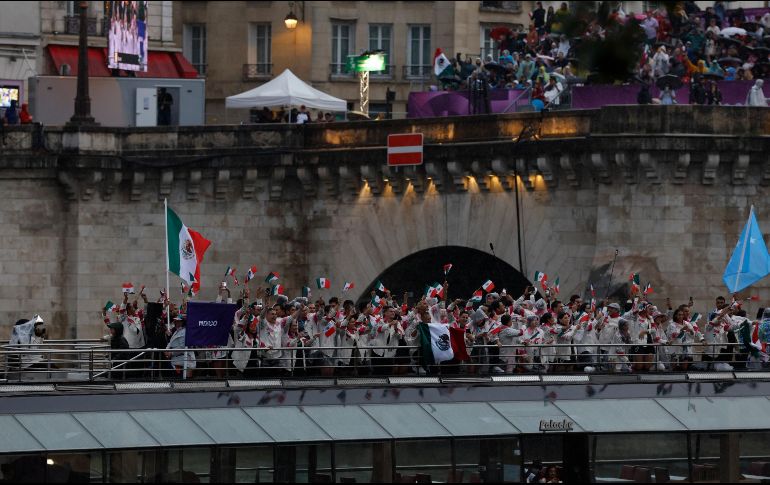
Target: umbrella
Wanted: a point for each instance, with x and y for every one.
(669, 80)
(729, 40)
(730, 60)
(558, 76)
(750, 26)
(500, 33)
(731, 31)
(715, 76)
(493, 66)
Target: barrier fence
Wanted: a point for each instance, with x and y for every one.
(95, 361)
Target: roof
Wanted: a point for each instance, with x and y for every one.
(161, 64)
(286, 90)
(93, 430)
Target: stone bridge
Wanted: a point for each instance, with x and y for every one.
(668, 187)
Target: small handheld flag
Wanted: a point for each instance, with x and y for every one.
(331, 328)
(109, 306)
(347, 286)
(271, 278)
(540, 276)
(488, 286)
(231, 272)
(306, 291)
(556, 285)
(635, 282)
(276, 290)
(128, 288)
(380, 287)
(251, 274)
(593, 291)
(323, 283)
(648, 289)
(477, 296)
(447, 268)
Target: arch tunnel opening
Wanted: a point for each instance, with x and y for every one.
(470, 269)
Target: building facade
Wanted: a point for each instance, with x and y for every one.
(240, 45)
(28, 28)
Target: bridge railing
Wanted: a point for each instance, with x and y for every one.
(95, 361)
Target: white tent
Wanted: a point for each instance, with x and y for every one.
(286, 89)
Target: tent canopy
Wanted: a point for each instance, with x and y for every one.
(286, 89)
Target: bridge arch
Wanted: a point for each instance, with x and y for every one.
(470, 269)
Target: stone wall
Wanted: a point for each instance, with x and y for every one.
(84, 209)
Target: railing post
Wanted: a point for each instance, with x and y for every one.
(91, 364)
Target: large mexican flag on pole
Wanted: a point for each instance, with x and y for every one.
(185, 250)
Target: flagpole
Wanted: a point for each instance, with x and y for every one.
(168, 295)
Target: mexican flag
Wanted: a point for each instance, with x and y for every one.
(109, 306)
(271, 278)
(185, 250)
(556, 285)
(540, 277)
(348, 286)
(276, 290)
(447, 268)
(230, 271)
(488, 286)
(440, 62)
(435, 343)
(251, 273)
(323, 283)
(648, 289)
(380, 287)
(635, 282)
(477, 296)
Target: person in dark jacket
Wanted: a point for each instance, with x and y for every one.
(118, 342)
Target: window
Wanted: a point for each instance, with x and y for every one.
(194, 46)
(488, 46)
(343, 42)
(379, 40)
(418, 55)
(260, 52)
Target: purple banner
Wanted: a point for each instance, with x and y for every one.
(598, 95)
(208, 323)
(455, 103)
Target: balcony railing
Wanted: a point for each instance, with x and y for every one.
(340, 71)
(417, 71)
(388, 73)
(72, 25)
(257, 71)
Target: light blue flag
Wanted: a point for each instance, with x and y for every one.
(750, 261)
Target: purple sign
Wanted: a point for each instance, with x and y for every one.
(208, 323)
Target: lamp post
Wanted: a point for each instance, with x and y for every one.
(82, 116)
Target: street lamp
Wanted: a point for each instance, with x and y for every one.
(291, 20)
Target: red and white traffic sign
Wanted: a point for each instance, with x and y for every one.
(405, 149)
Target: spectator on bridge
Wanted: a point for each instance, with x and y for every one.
(538, 17)
(755, 96)
(650, 26)
(11, 116)
(24, 117)
(119, 358)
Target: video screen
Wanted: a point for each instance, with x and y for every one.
(128, 35)
(8, 94)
